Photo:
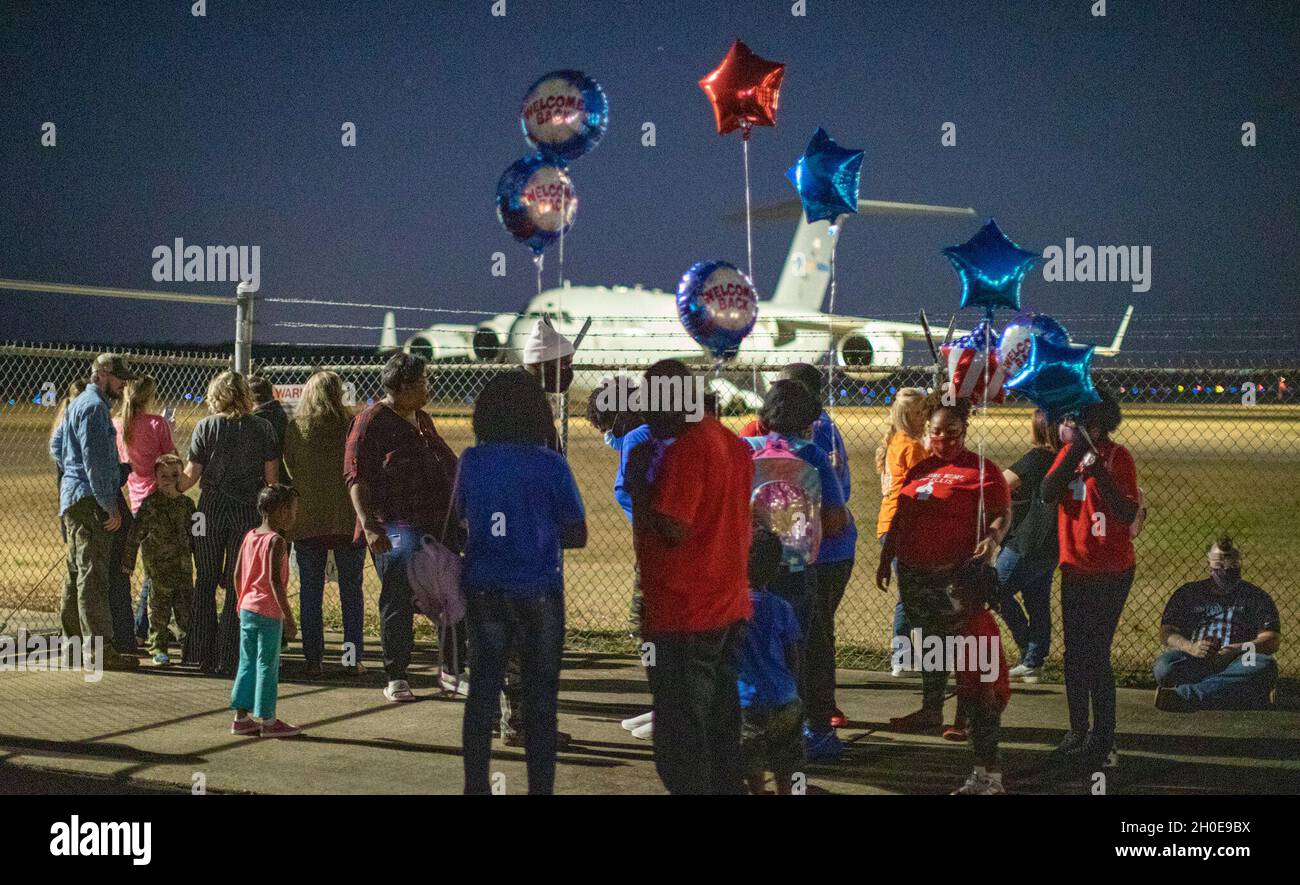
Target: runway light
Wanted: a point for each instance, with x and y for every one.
(871, 394)
(843, 393)
(892, 390)
(887, 399)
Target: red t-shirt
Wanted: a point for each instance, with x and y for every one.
(1091, 540)
(971, 684)
(703, 482)
(942, 501)
(754, 428)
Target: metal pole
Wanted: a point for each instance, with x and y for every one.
(244, 328)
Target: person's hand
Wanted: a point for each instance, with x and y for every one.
(987, 550)
(1201, 648)
(884, 572)
(114, 521)
(290, 629)
(376, 537)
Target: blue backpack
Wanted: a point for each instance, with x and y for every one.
(787, 497)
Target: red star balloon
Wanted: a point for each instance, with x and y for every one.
(744, 90)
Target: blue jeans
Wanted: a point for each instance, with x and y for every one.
(312, 555)
(901, 625)
(1212, 686)
(142, 611)
(397, 610)
(257, 681)
(534, 626)
(1030, 625)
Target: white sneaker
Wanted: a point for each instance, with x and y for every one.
(1026, 674)
(637, 721)
(399, 691)
(897, 671)
(644, 732)
(453, 684)
(981, 784)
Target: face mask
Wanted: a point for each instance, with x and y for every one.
(1066, 432)
(945, 447)
(1226, 578)
(609, 438)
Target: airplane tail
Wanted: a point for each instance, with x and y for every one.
(388, 337)
(1113, 350)
(807, 269)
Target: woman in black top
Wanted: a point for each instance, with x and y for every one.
(1028, 558)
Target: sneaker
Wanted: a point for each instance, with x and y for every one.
(280, 729)
(921, 722)
(637, 721)
(450, 683)
(838, 719)
(1170, 701)
(514, 737)
(313, 670)
(822, 746)
(1069, 746)
(897, 671)
(112, 660)
(1098, 752)
(399, 691)
(247, 725)
(981, 784)
(956, 733)
(645, 731)
(1026, 674)
(161, 659)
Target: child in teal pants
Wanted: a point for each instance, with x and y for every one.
(261, 579)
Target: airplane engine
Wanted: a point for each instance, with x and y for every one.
(491, 342)
(438, 344)
(864, 353)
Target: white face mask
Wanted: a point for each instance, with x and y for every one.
(609, 437)
(1066, 432)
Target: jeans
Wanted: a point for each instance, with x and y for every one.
(1091, 604)
(257, 681)
(1210, 685)
(819, 703)
(142, 611)
(697, 710)
(901, 626)
(397, 611)
(1030, 625)
(312, 554)
(534, 625)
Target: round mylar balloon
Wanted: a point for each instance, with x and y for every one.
(1017, 340)
(789, 512)
(717, 305)
(564, 114)
(535, 201)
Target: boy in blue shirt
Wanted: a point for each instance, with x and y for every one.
(771, 732)
(520, 507)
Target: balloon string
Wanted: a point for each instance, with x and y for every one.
(833, 232)
(749, 235)
(537, 262)
(563, 195)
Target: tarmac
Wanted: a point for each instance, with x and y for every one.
(167, 729)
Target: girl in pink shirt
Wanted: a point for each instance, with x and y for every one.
(141, 437)
(261, 579)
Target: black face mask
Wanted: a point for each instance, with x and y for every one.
(1226, 578)
(549, 377)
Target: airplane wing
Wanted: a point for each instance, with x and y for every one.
(1113, 350)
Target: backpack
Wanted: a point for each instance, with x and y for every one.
(787, 497)
(433, 572)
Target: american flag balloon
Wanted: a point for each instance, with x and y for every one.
(972, 360)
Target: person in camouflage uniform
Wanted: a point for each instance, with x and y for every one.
(163, 532)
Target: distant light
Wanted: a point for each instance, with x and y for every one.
(871, 394)
(843, 393)
(887, 399)
(11, 402)
(892, 390)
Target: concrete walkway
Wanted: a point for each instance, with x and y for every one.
(168, 727)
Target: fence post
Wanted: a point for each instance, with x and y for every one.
(244, 328)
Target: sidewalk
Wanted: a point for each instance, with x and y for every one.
(154, 728)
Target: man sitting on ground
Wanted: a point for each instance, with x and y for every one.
(1221, 634)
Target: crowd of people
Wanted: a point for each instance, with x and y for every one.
(744, 546)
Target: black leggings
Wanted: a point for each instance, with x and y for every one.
(1091, 604)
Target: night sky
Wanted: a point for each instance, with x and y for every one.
(1122, 130)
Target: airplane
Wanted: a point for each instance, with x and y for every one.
(632, 326)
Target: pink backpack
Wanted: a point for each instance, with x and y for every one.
(787, 497)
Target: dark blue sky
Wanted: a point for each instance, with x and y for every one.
(1123, 130)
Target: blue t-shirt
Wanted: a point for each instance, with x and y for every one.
(624, 445)
(515, 500)
(827, 437)
(763, 677)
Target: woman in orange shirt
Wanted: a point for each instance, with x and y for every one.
(900, 451)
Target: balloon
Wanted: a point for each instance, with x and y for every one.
(787, 510)
(744, 90)
(1057, 378)
(991, 268)
(535, 201)
(970, 360)
(1013, 351)
(827, 178)
(717, 305)
(564, 115)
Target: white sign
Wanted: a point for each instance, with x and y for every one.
(290, 395)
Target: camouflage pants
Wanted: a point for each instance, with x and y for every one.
(165, 601)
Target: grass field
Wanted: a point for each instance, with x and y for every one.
(1204, 469)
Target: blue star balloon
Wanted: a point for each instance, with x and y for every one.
(1056, 377)
(991, 268)
(827, 178)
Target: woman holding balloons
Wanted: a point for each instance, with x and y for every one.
(1094, 481)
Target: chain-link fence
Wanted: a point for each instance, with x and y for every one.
(1217, 449)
